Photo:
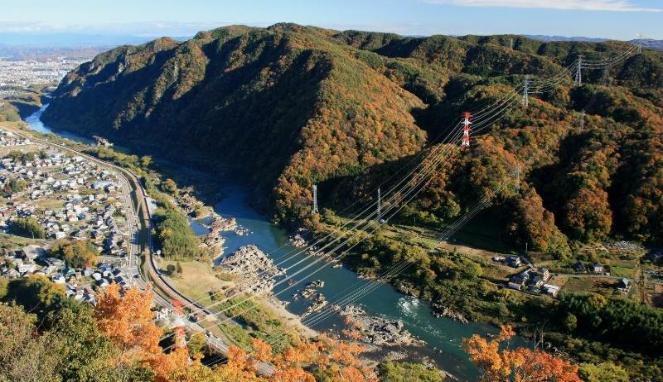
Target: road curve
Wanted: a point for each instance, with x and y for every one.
(164, 291)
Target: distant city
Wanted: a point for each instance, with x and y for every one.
(19, 75)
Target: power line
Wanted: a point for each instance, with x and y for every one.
(485, 125)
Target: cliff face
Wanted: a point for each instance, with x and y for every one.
(291, 106)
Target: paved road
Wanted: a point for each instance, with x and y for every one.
(139, 221)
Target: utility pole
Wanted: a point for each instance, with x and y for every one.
(315, 199)
(178, 323)
(526, 91)
(579, 72)
(582, 121)
(606, 74)
(379, 212)
(465, 143)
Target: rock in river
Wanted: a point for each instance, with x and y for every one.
(256, 271)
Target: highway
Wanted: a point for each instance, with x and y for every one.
(140, 221)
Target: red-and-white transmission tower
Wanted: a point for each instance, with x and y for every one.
(178, 324)
(466, 130)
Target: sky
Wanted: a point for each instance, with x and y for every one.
(614, 19)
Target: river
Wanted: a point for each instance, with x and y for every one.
(34, 120)
(443, 337)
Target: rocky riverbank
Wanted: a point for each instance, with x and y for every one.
(312, 293)
(376, 330)
(440, 310)
(256, 270)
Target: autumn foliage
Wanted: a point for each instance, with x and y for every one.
(302, 362)
(127, 319)
(517, 365)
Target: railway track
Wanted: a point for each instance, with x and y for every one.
(165, 293)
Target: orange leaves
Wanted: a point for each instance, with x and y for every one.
(262, 351)
(345, 353)
(170, 367)
(336, 359)
(536, 225)
(239, 367)
(506, 332)
(485, 355)
(292, 375)
(588, 214)
(537, 365)
(238, 358)
(518, 365)
(128, 321)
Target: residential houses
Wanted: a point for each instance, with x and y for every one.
(532, 280)
(79, 283)
(72, 198)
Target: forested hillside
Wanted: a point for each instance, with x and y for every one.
(292, 106)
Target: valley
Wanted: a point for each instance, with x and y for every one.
(301, 181)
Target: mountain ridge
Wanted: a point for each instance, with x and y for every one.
(293, 106)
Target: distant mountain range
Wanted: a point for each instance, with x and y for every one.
(646, 43)
(565, 38)
(45, 53)
(26, 45)
(68, 40)
(649, 43)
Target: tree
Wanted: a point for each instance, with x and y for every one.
(129, 322)
(570, 322)
(603, 372)
(174, 234)
(587, 214)
(170, 186)
(238, 367)
(77, 253)
(36, 293)
(145, 161)
(520, 364)
(321, 359)
(27, 227)
(4, 287)
(196, 344)
(13, 185)
(25, 356)
(19, 156)
(331, 359)
(406, 371)
(620, 322)
(84, 352)
(535, 225)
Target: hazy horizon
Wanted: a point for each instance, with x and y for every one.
(41, 22)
